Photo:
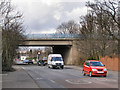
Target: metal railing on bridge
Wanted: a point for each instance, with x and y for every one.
(52, 36)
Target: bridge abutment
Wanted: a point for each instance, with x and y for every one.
(73, 57)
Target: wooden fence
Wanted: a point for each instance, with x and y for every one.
(111, 63)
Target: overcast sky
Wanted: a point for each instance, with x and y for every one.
(44, 16)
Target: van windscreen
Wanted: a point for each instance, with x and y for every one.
(56, 58)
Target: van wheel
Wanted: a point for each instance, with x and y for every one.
(48, 66)
(90, 74)
(62, 67)
(53, 67)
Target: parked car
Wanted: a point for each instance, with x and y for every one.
(27, 61)
(45, 60)
(41, 63)
(94, 68)
(55, 60)
(18, 61)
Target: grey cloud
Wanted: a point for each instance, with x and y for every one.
(39, 16)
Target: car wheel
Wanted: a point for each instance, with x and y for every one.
(90, 74)
(83, 73)
(105, 76)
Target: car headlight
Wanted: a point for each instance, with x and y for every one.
(105, 69)
(54, 63)
(94, 69)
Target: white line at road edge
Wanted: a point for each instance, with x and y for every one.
(87, 82)
(52, 81)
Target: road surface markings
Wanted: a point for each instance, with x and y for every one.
(39, 78)
(3, 74)
(78, 82)
(23, 68)
(52, 81)
(105, 79)
(65, 72)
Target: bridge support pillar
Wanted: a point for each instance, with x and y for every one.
(74, 56)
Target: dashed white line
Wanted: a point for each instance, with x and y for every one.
(52, 81)
(22, 67)
(39, 78)
(4, 74)
(105, 79)
(78, 82)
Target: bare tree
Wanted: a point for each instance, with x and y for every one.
(88, 45)
(100, 31)
(109, 9)
(69, 27)
(12, 33)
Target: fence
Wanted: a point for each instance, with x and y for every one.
(52, 36)
(110, 63)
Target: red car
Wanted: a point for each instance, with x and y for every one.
(94, 68)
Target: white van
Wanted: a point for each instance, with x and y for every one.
(55, 60)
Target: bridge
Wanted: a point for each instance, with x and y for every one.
(64, 44)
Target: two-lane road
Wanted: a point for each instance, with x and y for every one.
(45, 77)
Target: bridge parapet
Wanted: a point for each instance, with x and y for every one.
(53, 36)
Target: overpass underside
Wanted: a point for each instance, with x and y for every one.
(64, 50)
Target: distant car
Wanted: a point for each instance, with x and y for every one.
(94, 68)
(27, 61)
(41, 63)
(45, 60)
(18, 61)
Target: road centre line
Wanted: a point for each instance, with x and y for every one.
(3, 74)
(66, 73)
(52, 81)
(39, 78)
(105, 79)
(87, 82)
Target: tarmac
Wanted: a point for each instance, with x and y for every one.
(21, 79)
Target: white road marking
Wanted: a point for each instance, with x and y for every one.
(23, 68)
(52, 81)
(65, 72)
(78, 82)
(105, 79)
(39, 78)
(4, 74)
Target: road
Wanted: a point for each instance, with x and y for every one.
(68, 77)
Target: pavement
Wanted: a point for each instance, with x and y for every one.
(18, 79)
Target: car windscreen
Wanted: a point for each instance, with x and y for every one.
(96, 64)
(56, 58)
